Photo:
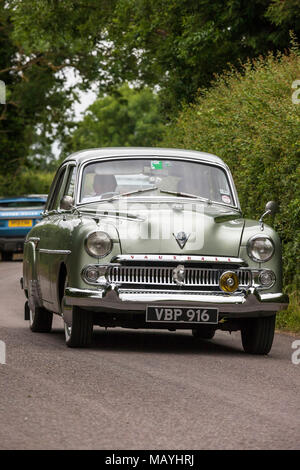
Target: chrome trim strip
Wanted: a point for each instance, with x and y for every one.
(34, 240)
(180, 259)
(127, 295)
(54, 252)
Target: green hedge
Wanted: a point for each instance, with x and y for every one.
(25, 182)
(250, 121)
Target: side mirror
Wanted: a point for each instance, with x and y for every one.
(271, 207)
(66, 203)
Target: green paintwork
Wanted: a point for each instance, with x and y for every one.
(225, 231)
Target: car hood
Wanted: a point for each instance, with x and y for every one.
(151, 227)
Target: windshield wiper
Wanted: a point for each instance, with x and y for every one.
(193, 196)
(138, 191)
(117, 196)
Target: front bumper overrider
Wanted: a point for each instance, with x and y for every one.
(249, 303)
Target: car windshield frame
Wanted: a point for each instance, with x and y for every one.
(235, 204)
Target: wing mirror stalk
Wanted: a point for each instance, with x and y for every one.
(67, 204)
(271, 208)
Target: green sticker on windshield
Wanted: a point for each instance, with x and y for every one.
(156, 165)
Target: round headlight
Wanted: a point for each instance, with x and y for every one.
(98, 244)
(260, 248)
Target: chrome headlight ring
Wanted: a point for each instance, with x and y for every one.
(98, 244)
(253, 244)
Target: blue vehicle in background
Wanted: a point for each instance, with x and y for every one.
(17, 217)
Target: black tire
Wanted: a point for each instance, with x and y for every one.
(205, 332)
(40, 320)
(258, 334)
(7, 255)
(80, 333)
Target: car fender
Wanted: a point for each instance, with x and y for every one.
(31, 282)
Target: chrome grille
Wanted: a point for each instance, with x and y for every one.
(163, 276)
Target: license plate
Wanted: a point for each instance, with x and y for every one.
(162, 314)
(20, 223)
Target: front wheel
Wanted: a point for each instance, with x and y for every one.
(258, 334)
(78, 324)
(79, 332)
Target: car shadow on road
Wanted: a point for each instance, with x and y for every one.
(159, 342)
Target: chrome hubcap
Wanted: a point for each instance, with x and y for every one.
(31, 317)
(66, 309)
(68, 331)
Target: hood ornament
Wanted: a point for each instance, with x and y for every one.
(179, 275)
(181, 238)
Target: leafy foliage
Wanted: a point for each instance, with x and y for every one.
(176, 44)
(26, 182)
(35, 95)
(127, 117)
(248, 119)
(182, 44)
(289, 319)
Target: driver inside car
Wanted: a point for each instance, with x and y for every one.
(104, 185)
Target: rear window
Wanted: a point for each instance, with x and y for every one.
(22, 204)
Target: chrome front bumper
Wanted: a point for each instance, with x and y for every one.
(250, 303)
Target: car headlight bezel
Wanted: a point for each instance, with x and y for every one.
(98, 252)
(262, 282)
(250, 245)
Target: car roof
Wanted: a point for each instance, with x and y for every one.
(30, 197)
(96, 153)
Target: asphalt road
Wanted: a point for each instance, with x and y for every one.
(140, 390)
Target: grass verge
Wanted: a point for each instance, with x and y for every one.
(289, 320)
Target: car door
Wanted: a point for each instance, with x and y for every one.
(49, 241)
(61, 238)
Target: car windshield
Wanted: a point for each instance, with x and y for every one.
(147, 177)
(22, 204)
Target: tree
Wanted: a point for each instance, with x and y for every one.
(128, 117)
(176, 44)
(285, 14)
(35, 95)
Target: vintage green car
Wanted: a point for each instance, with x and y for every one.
(151, 238)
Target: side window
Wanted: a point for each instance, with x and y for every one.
(57, 194)
(70, 186)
